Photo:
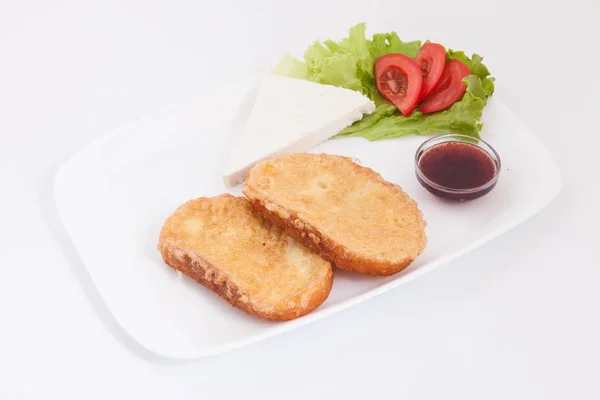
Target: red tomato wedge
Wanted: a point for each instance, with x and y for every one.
(431, 58)
(449, 89)
(399, 80)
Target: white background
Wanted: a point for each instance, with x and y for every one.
(516, 319)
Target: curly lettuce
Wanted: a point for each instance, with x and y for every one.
(349, 63)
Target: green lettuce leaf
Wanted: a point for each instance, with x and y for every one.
(388, 43)
(474, 63)
(381, 112)
(349, 63)
(462, 117)
(292, 67)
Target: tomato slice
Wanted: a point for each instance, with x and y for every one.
(431, 58)
(399, 80)
(449, 89)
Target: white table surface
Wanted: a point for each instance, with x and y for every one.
(516, 319)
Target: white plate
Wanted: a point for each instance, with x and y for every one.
(114, 195)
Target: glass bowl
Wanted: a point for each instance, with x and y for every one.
(458, 193)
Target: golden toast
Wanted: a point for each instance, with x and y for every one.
(345, 212)
(224, 244)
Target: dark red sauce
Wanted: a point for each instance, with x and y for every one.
(456, 166)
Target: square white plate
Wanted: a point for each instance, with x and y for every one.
(114, 195)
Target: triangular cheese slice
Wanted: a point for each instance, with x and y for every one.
(292, 115)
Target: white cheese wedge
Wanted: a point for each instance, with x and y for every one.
(292, 115)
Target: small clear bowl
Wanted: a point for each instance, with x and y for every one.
(455, 193)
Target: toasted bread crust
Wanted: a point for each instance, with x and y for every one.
(206, 274)
(331, 251)
(312, 236)
(217, 280)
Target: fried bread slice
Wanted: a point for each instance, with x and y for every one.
(347, 213)
(225, 245)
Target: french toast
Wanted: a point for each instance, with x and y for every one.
(346, 213)
(224, 244)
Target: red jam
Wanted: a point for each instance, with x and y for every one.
(457, 169)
